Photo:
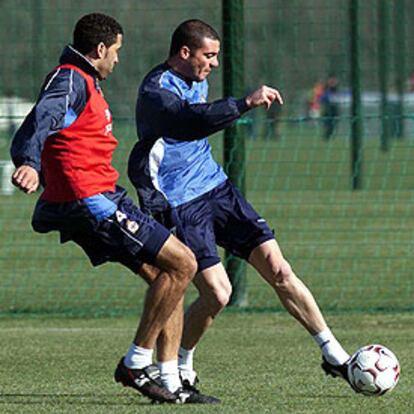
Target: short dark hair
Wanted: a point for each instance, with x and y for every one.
(93, 29)
(191, 33)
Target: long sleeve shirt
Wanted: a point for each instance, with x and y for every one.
(172, 162)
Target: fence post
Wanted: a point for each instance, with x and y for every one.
(383, 68)
(234, 140)
(400, 65)
(356, 109)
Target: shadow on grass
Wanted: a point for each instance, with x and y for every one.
(72, 399)
(321, 396)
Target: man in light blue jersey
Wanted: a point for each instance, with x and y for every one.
(183, 187)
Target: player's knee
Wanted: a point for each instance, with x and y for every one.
(187, 265)
(218, 298)
(282, 276)
(222, 298)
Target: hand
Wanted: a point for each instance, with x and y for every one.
(26, 178)
(264, 96)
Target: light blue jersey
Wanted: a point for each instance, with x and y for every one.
(172, 163)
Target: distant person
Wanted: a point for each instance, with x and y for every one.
(330, 107)
(66, 142)
(180, 183)
(314, 101)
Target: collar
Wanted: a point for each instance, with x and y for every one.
(71, 56)
(188, 81)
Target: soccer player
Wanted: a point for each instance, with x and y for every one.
(181, 185)
(66, 143)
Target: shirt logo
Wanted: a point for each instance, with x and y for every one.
(108, 127)
(132, 226)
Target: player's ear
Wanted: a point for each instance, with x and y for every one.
(101, 50)
(184, 52)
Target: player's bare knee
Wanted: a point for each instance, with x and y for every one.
(187, 265)
(222, 298)
(282, 276)
(218, 298)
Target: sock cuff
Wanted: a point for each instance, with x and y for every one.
(168, 367)
(183, 353)
(135, 349)
(138, 357)
(323, 337)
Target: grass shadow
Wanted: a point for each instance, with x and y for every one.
(71, 399)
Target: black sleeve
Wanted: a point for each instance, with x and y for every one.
(61, 100)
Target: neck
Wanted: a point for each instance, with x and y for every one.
(93, 61)
(175, 63)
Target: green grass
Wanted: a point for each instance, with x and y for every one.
(256, 363)
(353, 249)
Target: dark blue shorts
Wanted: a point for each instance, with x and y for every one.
(220, 217)
(127, 236)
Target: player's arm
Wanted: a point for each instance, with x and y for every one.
(170, 116)
(62, 99)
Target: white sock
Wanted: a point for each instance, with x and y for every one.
(169, 375)
(138, 357)
(185, 364)
(331, 349)
(185, 358)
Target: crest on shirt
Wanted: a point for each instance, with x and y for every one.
(132, 226)
(108, 114)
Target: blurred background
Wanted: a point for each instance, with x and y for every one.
(351, 244)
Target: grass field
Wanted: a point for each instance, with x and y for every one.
(64, 325)
(256, 363)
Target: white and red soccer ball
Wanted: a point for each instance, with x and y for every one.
(373, 370)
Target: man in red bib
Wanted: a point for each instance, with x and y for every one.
(66, 144)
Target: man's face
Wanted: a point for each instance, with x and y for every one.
(108, 57)
(201, 61)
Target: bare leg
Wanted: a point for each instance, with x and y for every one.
(169, 338)
(177, 265)
(215, 289)
(295, 296)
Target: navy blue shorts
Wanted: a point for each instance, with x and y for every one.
(127, 235)
(220, 217)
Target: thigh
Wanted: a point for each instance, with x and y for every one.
(268, 260)
(175, 256)
(238, 227)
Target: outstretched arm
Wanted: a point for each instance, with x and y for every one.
(170, 116)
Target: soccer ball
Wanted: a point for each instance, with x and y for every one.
(373, 370)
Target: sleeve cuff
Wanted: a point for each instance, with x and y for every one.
(242, 105)
(29, 163)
